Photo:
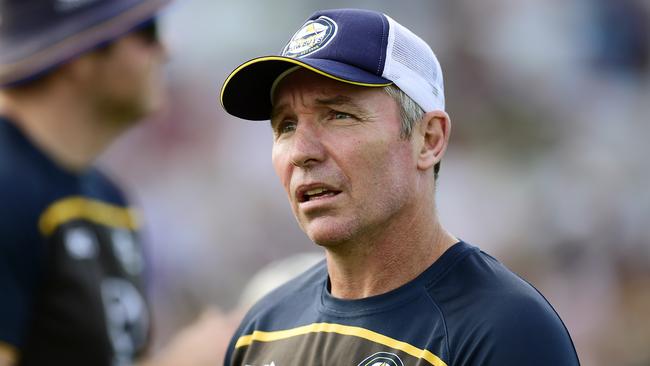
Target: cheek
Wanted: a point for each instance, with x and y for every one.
(145, 72)
(386, 166)
(141, 66)
(282, 166)
(377, 156)
(133, 77)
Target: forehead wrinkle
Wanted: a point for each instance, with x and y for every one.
(278, 109)
(335, 100)
(301, 96)
(341, 100)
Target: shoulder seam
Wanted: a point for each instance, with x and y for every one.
(444, 323)
(430, 284)
(459, 257)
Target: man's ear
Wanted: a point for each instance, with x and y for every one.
(433, 133)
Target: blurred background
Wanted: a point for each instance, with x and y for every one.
(547, 169)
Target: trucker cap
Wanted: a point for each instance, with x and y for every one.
(36, 35)
(354, 46)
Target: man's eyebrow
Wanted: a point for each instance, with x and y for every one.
(344, 100)
(338, 100)
(277, 110)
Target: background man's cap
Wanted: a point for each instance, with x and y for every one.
(36, 35)
(353, 46)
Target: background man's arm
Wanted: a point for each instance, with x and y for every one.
(7, 355)
(202, 343)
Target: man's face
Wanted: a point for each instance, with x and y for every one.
(339, 155)
(129, 78)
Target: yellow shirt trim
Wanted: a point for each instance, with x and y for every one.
(261, 336)
(76, 208)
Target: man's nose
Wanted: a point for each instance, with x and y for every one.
(307, 148)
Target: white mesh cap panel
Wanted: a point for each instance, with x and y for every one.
(414, 68)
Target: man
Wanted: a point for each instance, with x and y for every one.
(74, 75)
(356, 105)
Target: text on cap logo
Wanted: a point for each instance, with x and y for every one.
(313, 36)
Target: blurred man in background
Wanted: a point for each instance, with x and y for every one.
(356, 103)
(74, 75)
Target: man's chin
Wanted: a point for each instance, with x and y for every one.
(329, 236)
(329, 229)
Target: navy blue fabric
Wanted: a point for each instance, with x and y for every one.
(356, 53)
(24, 196)
(51, 308)
(31, 27)
(361, 39)
(344, 71)
(254, 103)
(466, 308)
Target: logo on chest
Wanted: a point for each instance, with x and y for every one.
(81, 243)
(382, 359)
(127, 251)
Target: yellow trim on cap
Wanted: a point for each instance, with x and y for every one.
(8, 353)
(77, 208)
(260, 336)
(295, 62)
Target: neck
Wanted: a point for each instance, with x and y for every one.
(390, 258)
(65, 128)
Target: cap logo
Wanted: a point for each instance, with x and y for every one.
(313, 36)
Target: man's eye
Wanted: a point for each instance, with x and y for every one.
(340, 115)
(285, 127)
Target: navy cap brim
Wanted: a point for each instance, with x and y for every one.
(26, 57)
(246, 93)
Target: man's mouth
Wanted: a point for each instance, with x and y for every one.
(316, 193)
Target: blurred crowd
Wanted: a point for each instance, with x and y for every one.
(547, 168)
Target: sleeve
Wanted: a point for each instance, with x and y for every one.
(21, 264)
(523, 332)
(228, 359)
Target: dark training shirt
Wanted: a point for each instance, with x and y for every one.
(70, 262)
(465, 309)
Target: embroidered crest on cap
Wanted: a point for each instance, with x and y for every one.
(313, 36)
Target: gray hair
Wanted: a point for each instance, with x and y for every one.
(410, 112)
